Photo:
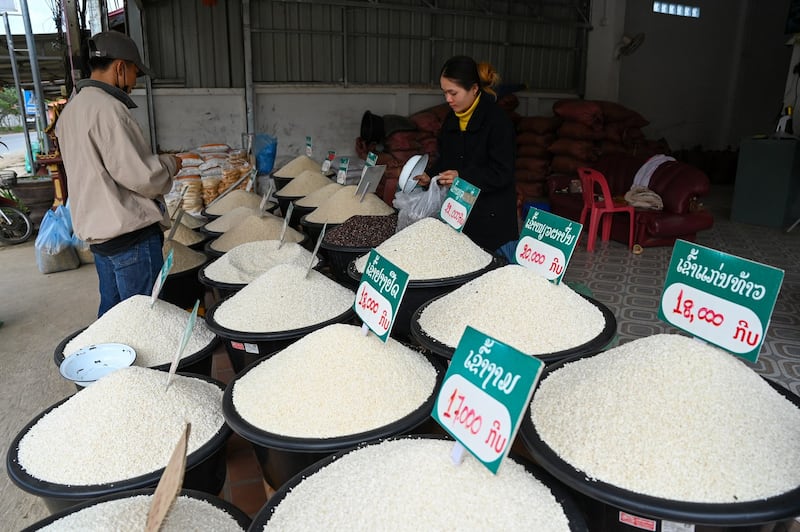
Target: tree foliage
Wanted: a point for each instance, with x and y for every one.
(9, 106)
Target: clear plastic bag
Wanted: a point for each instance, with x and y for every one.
(418, 204)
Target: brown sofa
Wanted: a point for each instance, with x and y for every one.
(680, 186)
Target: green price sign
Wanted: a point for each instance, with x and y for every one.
(720, 298)
(484, 395)
(161, 279)
(546, 243)
(309, 149)
(379, 294)
(459, 202)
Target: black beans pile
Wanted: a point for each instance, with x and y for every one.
(362, 231)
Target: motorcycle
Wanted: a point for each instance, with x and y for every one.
(15, 224)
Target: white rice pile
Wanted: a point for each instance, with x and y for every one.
(296, 166)
(431, 249)
(334, 382)
(236, 198)
(284, 298)
(183, 258)
(184, 235)
(130, 513)
(154, 333)
(344, 203)
(518, 307)
(254, 228)
(672, 417)
(231, 219)
(123, 426)
(247, 261)
(304, 183)
(314, 199)
(412, 485)
(192, 222)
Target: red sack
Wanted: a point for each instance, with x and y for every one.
(532, 150)
(536, 139)
(584, 111)
(563, 164)
(536, 168)
(538, 124)
(579, 149)
(577, 130)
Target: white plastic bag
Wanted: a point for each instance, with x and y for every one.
(418, 204)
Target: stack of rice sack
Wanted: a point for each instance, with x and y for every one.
(623, 132)
(208, 171)
(532, 165)
(578, 136)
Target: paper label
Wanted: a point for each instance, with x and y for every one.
(379, 294)
(161, 279)
(309, 150)
(720, 298)
(316, 248)
(262, 207)
(370, 178)
(546, 244)
(484, 395)
(341, 176)
(326, 164)
(286, 218)
(251, 348)
(187, 333)
(458, 204)
(637, 522)
(372, 159)
(169, 486)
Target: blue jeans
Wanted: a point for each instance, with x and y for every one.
(129, 272)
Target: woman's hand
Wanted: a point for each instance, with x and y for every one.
(447, 177)
(423, 179)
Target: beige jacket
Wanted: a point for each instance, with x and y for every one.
(115, 184)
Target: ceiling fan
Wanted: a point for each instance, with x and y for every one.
(627, 45)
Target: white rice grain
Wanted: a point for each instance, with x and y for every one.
(130, 513)
(296, 166)
(124, 425)
(315, 199)
(154, 333)
(334, 382)
(411, 485)
(247, 261)
(674, 418)
(235, 198)
(344, 203)
(431, 249)
(284, 298)
(303, 184)
(254, 228)
(232, 218)
(518, 307)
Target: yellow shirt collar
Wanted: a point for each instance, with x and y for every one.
(463, 117)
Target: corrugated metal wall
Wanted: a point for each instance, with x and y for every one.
(391, 42)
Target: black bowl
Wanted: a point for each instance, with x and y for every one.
(182, 289)
(592, 346)
(418, 292)
(280, 182)
(205, 469)
(339, 258)
(244, 348)
(784, 506)
(314, 229)
(564, 497)
(198, 362)
(283, 204)
(241, 518)
(282, 457)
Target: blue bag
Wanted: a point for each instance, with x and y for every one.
(53, 245)
(265, 147)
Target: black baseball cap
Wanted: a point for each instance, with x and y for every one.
(116, 45)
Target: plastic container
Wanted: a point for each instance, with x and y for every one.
(244, 348)
(418, 292)
(591, 347)
(240, 517)
(577, 522)
(205, 470)
(313, 229)
(298, 212)
(283, 457)
(182, 289)
(604, 501)
(283, 205)
(280, 182)
(197, 363)
(339, 259)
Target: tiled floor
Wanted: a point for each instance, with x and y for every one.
(630, 285)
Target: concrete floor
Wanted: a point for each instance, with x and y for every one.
(38, 312)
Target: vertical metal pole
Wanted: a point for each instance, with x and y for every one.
(103, 8)
(249, 96)
(37, 81)
(20, 98)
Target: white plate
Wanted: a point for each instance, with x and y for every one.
(414, 166)
(95, 361)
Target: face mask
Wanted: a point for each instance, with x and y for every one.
(124, 87)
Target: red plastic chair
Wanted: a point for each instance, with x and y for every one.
(601, 208)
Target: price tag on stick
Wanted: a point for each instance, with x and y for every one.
(286, 218)
(326, 164)
(175, 224)
(484, 395)
(262, 207)
(370, 177)
(458, 204)
(316, 248)
(546, 243)
(720, 298)
(169, 486)
(187, 333)
(341, 175)
(309, 151)
(379, 294)
(161, 279)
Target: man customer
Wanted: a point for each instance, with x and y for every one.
(114, 181)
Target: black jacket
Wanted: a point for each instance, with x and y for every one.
(483, 155)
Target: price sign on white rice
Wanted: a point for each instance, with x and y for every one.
(379, 294)
(720, 298)
(484, 394)
(370, 177)
(458, 203)
(341, 176)
(262, 207)
(309, 151)
(161, 279)
(326, 164)
(187, 334)
(372, 159)
(546, 243)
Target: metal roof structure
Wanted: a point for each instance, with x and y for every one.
(51, 57)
